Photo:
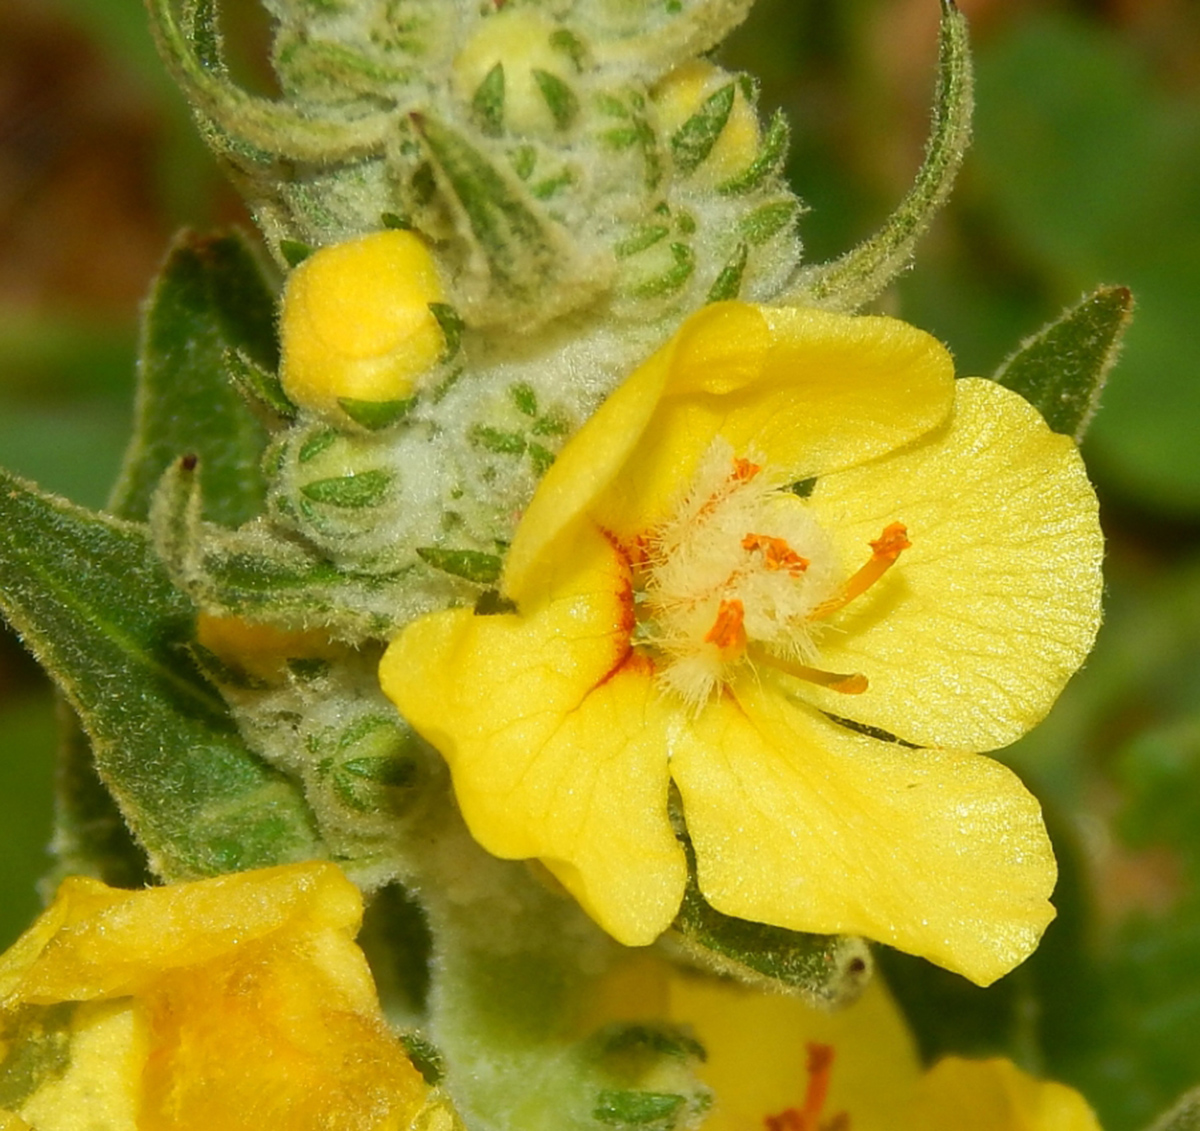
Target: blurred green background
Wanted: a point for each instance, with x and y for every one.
(1085, 170)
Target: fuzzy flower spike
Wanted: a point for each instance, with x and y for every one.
(795, 567)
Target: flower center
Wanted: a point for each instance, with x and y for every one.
(742, 573)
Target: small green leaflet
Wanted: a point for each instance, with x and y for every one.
(1061, 370)
(94, 604)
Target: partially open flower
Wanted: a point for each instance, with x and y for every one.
(797, 569)
(239, 1002)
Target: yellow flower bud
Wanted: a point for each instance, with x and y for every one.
(683, 93)
(356, 322)
(259, 650)
(518, 40)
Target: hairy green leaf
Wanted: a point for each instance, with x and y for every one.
(1061, 370)
(375, 415)
(488, 102)
(472, 565)
(210, 298)
(94, 604)
(517, 244)
(728, 282)
(693, 141)
(560, 98)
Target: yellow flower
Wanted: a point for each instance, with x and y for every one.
(682, 616)
(236, 1002)
(356, 323)
(776, 1064)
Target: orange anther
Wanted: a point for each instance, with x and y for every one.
(777, 554)
(893, 539)
(884, 551)
(727, 632)
(744, 470)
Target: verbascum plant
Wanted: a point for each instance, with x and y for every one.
(539, 542)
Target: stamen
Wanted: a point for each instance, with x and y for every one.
(808, 1118)
(820, 1069)
(744, 470)
(777, 554)
(852, 684)
(884, 552)
(728, 632)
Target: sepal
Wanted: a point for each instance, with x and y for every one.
(1062, 368)
(827, 971)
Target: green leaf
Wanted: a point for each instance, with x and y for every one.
(353, 492)
(518, 246)
(472, 565)
(488, 102)
(1061, 370)
(524, 398)
(94, 604)
(259, 386)
(728, 282)
(210, 299)
(769, 220)
(376, 415)
(630, 1108)
(564, 106)
(295, 252)
(452, 327)
(258, 574)
(693, 141)
(642, 238)
(497, 440)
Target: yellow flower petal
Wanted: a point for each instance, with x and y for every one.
(799, 822)
(110, 943)
(239, 1002)
(995, 1095)
(809, 391)
(556, 743)
(969, 639)
(756, 1044)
